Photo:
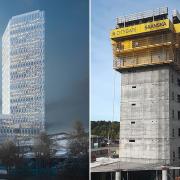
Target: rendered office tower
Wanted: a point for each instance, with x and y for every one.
(146, 49)
(23, 72)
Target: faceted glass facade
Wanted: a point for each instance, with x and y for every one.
(6, 130)
(23, 73)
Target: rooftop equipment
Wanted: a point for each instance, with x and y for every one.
(142, 17)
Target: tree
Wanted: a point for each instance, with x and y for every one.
(78, 129)
(9, 154)
(79, 141)
(78, 161)
(105, 128)
(43, 148)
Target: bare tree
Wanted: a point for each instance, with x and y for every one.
(43, 149)
(78, 160)
(78, 129)
(79, 141)
(8, 154)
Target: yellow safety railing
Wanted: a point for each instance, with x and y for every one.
(141, 43)
(145, 57)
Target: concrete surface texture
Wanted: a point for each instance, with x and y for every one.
(149, 130)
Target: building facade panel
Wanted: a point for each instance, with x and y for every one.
(144, 130)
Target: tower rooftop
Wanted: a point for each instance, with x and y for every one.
(137, 18)
(146, 38)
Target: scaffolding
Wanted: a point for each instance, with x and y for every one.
(145, 16)
(147, 39)
(140, 43)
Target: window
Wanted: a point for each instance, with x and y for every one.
(172, 78)
(174, 156)
(132, 122)
(132, 140)
(133, 86)
(178, 115)
(173, 114)
(178, 82)
(173, 96)
(133, 104)
(178, 98)
(179, 152)
(172, 132)
(179, 132)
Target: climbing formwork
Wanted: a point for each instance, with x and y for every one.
(148, 38)
(146, 50)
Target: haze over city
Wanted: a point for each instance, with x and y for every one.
(66, 61)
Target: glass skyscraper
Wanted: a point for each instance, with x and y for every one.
(23, 54)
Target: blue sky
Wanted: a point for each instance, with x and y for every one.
(103, 18)
(66, 60)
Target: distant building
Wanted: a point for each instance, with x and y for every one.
(6, 130)
(60, 144)
(23, 75)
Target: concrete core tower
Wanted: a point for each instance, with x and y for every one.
(147, 54)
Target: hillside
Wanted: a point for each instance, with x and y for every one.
(101, 128)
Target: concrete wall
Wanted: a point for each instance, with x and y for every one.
(174, 122)
(145, 115)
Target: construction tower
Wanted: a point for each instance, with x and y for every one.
(146, 49)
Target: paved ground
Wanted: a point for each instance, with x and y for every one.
(109, 165)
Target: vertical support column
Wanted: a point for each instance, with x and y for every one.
(164, 173)
(118, 175)
(156, 175)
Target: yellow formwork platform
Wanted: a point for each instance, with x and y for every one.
(144, 42)
(141, 28)
(135, 48)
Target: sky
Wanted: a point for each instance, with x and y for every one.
(66, 58)
(105, 82)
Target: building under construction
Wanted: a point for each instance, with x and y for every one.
(146, 50)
